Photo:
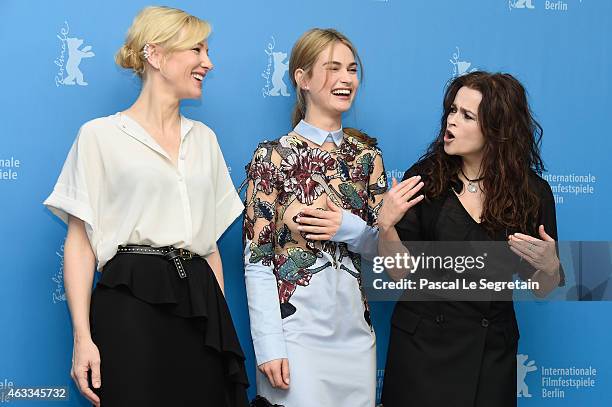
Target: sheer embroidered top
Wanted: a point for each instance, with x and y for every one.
(282, 266)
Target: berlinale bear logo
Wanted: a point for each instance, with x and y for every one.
(275, 72)
(280, 68)
(74, 59)
(460, 67)
(69, 71)
(522, 369)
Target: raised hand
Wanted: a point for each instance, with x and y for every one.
(398, 199)
(540, 253)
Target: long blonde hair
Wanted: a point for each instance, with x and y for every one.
(304, 54)
(173, 29)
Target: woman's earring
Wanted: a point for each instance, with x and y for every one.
(146, 52)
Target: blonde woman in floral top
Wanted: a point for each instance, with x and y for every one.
(312, 201)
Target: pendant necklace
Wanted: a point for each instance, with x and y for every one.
(472, 183)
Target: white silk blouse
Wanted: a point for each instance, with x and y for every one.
(127, 190)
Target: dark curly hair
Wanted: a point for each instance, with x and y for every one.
(510, 154)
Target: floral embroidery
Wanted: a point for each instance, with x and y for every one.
(349, 149)
(305, 173)
(248, 228)
(266, 175)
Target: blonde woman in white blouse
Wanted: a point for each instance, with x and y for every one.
(146, 194)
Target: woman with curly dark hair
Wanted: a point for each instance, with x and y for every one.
(479, 181)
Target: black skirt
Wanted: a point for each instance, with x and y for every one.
(163, 340)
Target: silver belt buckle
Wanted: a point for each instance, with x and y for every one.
(185, 254)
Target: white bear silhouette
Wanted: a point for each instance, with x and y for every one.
(460, 67)
(280, 68)
(521, 372)
(521, 4)
(74, 59)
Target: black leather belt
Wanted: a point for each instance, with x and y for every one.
(170, 253)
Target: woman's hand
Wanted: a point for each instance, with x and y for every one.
(85, 357)
(319, 224)
(277, 371)
(398, 200)
(540, 253)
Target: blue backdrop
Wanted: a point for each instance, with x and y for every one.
(560, 50)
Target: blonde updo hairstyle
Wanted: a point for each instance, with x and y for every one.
(304, 54)
(170, 28)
